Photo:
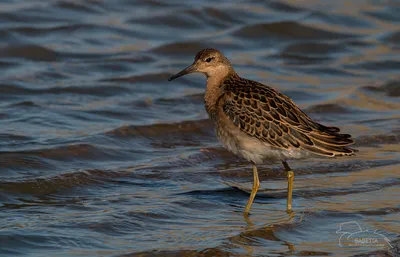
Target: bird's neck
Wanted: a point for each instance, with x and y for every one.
(214, 90)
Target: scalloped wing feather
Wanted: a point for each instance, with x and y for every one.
(268, 115)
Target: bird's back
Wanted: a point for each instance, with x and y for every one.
(272, 117)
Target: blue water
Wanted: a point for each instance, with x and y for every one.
(101, 156)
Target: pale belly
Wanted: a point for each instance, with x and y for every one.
(250, 148)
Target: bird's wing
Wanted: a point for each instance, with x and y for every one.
(264, 113)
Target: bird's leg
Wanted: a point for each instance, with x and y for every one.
(256, 185)
(290, 177)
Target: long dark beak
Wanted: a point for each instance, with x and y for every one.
(188, 70)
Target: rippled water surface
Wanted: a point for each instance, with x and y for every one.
(101, 156)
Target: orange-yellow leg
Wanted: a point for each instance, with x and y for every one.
(290, 178)
(256, 185)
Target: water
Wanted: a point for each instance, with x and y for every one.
(101, 156)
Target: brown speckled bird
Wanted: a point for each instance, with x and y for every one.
(257, 122)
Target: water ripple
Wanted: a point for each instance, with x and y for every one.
(101, 156)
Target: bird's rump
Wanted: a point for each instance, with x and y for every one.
(268, 115)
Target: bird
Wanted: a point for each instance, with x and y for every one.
(257, 122)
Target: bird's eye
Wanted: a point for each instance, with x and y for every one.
(209, 59)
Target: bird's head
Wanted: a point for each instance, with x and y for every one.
(210, 62)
